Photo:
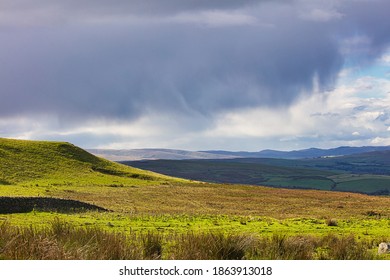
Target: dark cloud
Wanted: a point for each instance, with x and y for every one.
(161, 7)
(156, 7)
(124, 70)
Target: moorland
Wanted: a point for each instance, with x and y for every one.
(69, 204)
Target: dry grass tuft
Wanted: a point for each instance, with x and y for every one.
(332, 222)
(211, 246)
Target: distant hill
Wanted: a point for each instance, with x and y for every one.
(53, 163)
(154, 154)
(306, 153)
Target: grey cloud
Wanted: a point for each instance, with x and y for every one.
(124, 71)
(122, 7)
(186, 69)
(368, 18)
(166, 6)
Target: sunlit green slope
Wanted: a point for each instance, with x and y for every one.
(24, 162)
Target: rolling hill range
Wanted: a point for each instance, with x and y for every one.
(62, 170)
(152, 154)
(365, 173)
(305, 153)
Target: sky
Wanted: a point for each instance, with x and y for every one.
(196, 74)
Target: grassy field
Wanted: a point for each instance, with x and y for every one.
(171, 212)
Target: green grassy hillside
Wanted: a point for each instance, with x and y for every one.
(59, 163)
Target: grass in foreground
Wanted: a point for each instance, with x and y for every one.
(62, 240)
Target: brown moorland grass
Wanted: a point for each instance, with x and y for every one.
(218, 199)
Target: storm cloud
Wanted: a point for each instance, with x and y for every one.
(121, 60)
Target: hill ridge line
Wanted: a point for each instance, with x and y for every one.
(177, 154)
